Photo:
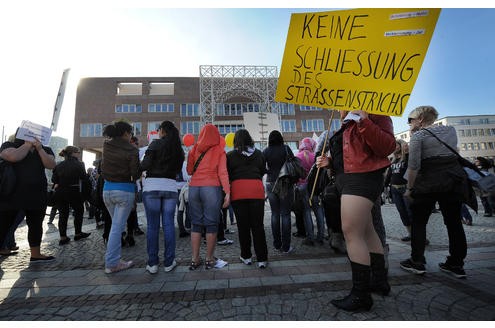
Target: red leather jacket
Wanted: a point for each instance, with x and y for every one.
(368, 143)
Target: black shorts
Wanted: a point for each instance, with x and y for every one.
(368, 184)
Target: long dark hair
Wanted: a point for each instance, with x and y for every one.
(172, 138)
(242, 140)
(117, 129)
(275, 138)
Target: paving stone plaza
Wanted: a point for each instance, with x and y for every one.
(296, 286)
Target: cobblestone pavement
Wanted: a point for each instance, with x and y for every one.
(296, 286)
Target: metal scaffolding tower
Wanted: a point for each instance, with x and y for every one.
(217, 84)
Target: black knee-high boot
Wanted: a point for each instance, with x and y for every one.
(379, 281)
(360, 297)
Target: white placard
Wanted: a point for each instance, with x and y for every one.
(30, 131)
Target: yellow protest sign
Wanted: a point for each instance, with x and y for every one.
(367, 59)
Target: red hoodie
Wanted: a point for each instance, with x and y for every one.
(212, 170)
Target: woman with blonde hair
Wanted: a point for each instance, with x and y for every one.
(434, 175)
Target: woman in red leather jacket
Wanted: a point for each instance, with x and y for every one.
(358, 158)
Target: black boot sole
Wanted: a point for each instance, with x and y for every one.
(352, 305)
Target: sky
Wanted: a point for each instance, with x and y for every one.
(120, 38)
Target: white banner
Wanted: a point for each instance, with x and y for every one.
(30, 131)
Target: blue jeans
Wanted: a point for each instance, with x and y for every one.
(205, 205)
(317, 210)
(160, 205)
(119, 204)
(402, 205)
(281, 222)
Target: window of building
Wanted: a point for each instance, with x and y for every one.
(308, 108)
(488, 132)
(466, 121)
(91, 130)
(154, 126)
(469, 146)
(161, 108)
(483, 145)
(490, 145)
(336, 126)
(463, 146)
(481, 132)
(315, 125)
(229, 128)
(253, 107)
(130, 89)
(189, 127)
(292, 145)
(162, 88)
(136, 128)
(461, 133)
(237, 109)
(189, 110)
(286, 109)
(474, 132)
(476, 146)
(493, 132)
(484, 121)
(288, 125)
(128, 108)
(468, 133)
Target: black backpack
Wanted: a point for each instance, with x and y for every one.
(7, 178)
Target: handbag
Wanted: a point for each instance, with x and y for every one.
(469, 196)
(484, 182)
(292, 168)
(290, 172)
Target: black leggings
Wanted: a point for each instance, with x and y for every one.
(249, 214)
(34, 220)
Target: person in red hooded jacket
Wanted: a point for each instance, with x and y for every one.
(207, 166)
(358, 157)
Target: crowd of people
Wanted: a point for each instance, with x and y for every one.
(354, 166)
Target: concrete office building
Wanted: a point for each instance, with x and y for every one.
(475, 134)
(147, 101)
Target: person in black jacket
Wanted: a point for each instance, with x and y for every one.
(68, 178)
(246, 166)
(162, 162)
(275, 154)
(30, 159)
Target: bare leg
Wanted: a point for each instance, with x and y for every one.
(211, 241)
(36, 253)
(195, 244)
(357, 226)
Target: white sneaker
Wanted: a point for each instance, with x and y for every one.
(245, 261)
(290, 250)
(225, 242)
(171, 266)
(152, 269)
(262, 265)
(123, 265)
